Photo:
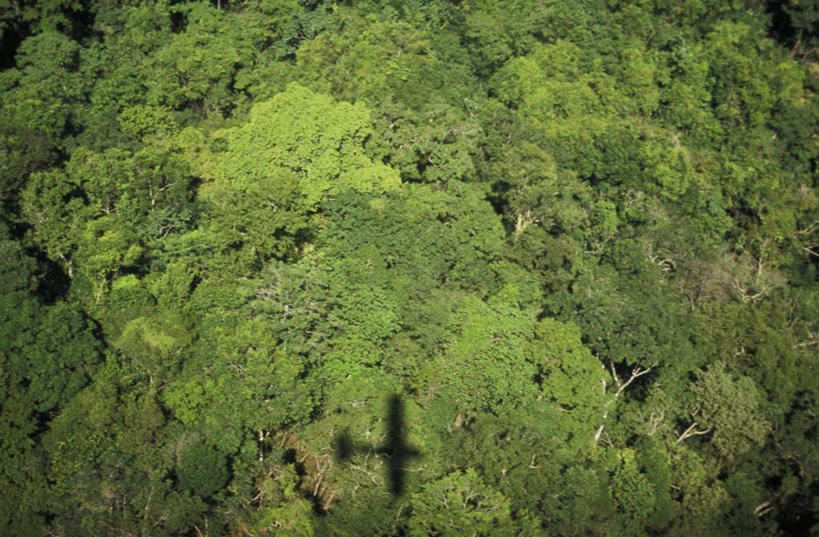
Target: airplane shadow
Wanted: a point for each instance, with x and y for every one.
(395, 449)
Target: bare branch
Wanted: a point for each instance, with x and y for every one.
(635, 373)
(691, 431)
(654, 421)
(763, 508)
(808, 230)
(614, 374)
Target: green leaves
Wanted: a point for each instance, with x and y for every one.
(62, 357)
(633, 317)
(202, 469)
(425, 236)
(457, 504)
(22, 472)
(484, 365)
(418, 100)
(309, 135)
(236, 379)
(57, 214)
(297, 151)
(571, 377)
(265, 217)
(632, 492)
(574, 240)
(731, 405)
(42, 94)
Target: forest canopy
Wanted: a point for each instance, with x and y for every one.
(409, 268)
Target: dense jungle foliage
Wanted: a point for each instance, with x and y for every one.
(409, 268)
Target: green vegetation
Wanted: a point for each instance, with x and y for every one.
(409, 268)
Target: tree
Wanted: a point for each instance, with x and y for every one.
(52, 205)
(202, 469)
(61, 357)
(312, 136)
(571, 378)
(296, 151)
(497, 31)
(419, 109)
(108, 247)
(626, 310)
(457, 504)
(730, 405)
(111, 459)
(633, 493)
(521, 454)
(196, 68)
(408, 267)
(485, 363)
(154, 345)
(22, 468)
(43, 92)
(236, 383)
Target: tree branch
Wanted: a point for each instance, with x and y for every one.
(654, 420)
(691, 431)
(635, 373)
